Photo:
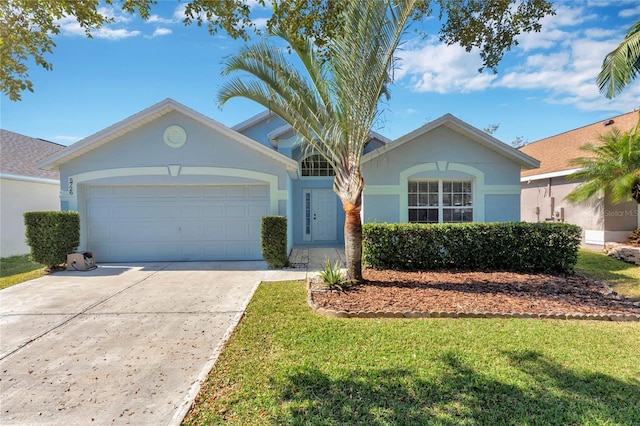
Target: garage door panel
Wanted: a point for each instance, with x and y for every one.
(191, 191)
(258, 210)
(258, 191)
(236, 211)
(191, 211)
(213, 212)
(166, 191)
(189, 222)
(123, 192)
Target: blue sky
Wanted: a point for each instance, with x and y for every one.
(544, 86)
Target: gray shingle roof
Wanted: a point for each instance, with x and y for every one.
(19, 155)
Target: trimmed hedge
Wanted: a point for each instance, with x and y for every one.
(273, 241)
(52, 236)
(511, 246)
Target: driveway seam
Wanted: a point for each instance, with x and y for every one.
(74, 316)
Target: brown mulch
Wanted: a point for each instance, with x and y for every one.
(469, 292)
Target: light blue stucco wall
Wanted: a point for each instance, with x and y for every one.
(259, 131)
(440, 154)
(501, 208)
(145, 147)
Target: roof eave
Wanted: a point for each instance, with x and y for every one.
(526, 162)
(155, 111)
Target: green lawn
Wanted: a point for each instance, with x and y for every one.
(623, 277)
(17, 269)
(286, 365)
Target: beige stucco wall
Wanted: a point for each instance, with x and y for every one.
(601, 221)
(16, 198)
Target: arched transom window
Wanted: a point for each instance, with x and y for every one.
(315, 165)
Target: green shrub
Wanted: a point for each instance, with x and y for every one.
(511, 246)
(52, 236)
(273, 241)
(634, 237)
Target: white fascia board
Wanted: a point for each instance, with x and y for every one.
(33, 179)
(252, 121)
(549, 175)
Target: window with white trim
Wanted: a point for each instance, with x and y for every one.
(316, 165)
(440, 201)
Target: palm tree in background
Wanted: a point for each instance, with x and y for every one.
(613, 166)
(330, 100)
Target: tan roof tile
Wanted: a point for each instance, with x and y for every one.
(556, 152)
(19, 155)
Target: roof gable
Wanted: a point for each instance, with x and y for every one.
(459, 126)
(146, 116)
(20, 155)
(556, 152)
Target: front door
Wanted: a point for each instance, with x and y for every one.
(323, 215)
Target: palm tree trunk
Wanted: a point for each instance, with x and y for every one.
(349, 187)
(635, 191)
(353, 242)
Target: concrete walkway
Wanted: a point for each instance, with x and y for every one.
(123, 344)
(314, 258)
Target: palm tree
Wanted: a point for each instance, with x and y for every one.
(330, 99)
(622, 64)
(612, 167)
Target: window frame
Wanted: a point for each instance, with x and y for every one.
(319, 157)
(466, 207)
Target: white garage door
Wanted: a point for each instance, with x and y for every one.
(181, 222)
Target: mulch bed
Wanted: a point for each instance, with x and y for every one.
(464, 293)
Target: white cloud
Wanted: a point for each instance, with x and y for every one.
(631, 12)
(561, 63)
(156, 19)
(260, 23)
(69, 26)
(114, 34)
(436, 67)
(179, 12)
(161, 32)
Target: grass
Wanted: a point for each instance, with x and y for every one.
(286, 365)
(623, 277)
(17, 269)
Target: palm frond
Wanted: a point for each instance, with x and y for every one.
(613, 166)
(621, 65)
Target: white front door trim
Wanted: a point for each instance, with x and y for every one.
(319, 215)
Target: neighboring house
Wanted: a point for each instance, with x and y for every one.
(544, 188)
(24, 187)
(171, 184)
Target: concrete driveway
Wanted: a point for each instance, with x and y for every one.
(123, 344)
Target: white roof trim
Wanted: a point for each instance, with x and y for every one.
(378, 136)
(145, 116)
(274, 135)
(459, 126)
(549, 175)
(252, 121)
(32, 179)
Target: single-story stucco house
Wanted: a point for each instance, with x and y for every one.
(24, 187)
(169, 183)
(544, 189)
